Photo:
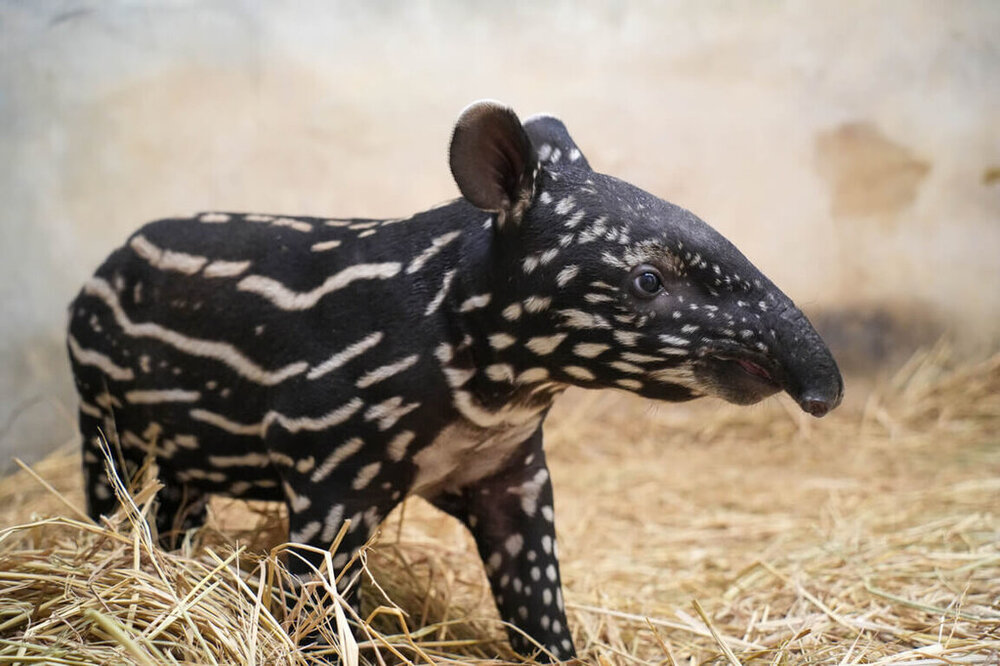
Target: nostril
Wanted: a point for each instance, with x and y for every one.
(815, 406)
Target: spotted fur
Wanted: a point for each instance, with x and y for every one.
(339, 365)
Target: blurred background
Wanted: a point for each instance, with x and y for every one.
(850, 149)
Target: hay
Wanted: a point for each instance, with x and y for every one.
(689, 533)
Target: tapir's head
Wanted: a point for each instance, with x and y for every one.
(603, 284)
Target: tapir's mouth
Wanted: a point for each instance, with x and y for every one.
(738, 374)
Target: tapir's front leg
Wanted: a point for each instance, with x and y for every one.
(510, 515)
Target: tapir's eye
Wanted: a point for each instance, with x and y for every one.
(646, 282)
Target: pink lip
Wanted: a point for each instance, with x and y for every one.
(753, 369)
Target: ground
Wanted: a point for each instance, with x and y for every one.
(688, 534)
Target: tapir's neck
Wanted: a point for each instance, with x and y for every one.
(489, 325)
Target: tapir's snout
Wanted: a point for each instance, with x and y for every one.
(808, 371)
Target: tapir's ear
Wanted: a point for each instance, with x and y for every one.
(552, 142)
(492, 160)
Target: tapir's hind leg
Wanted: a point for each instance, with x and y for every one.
(510, 515)
(101, 500)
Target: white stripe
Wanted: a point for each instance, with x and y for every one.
(166, 260)
(325, 245)
(286, 299)
(442, 292)
(337, 456)
(386, 371)
(99, 361)
(246, 460)
(166, 395)
(428, 253)
(220, 351)
(674, 340)
(331, 525)
(389, 411)
(291, 424)
(90, 410)
(222, 423)
(345, 355)
(213, 218)
(225, 268)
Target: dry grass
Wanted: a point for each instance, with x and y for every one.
(689, 533)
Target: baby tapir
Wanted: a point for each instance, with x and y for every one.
(339, 365)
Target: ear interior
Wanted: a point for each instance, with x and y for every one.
(492, 160)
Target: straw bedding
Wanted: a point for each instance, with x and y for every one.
(688, 534)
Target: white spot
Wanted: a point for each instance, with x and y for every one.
(500, 372)
(365, 475)
(626, 338)
(220, 269)
(547, 513)
(514, 544)
(564, 276)
(547, 544)
(388, 412)
(537, 303)
(512, 312)
(295, 225)
(475, 302)
(622, 366)
(532, 375)
(580, 319)
(550, 573)
(544, 345)
(590, 349)
(573, 220)
(577, 372)
(501, 340)
(675, 340)
(565, 205)
(396, 449)
(630, 384)
(213, 218)
(323, 246)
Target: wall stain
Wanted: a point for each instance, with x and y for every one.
(868, 173)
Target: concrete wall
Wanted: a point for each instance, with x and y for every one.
(851, 149)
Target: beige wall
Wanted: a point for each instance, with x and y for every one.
(851, 149)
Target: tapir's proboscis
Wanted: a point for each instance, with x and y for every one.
(340, 365)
